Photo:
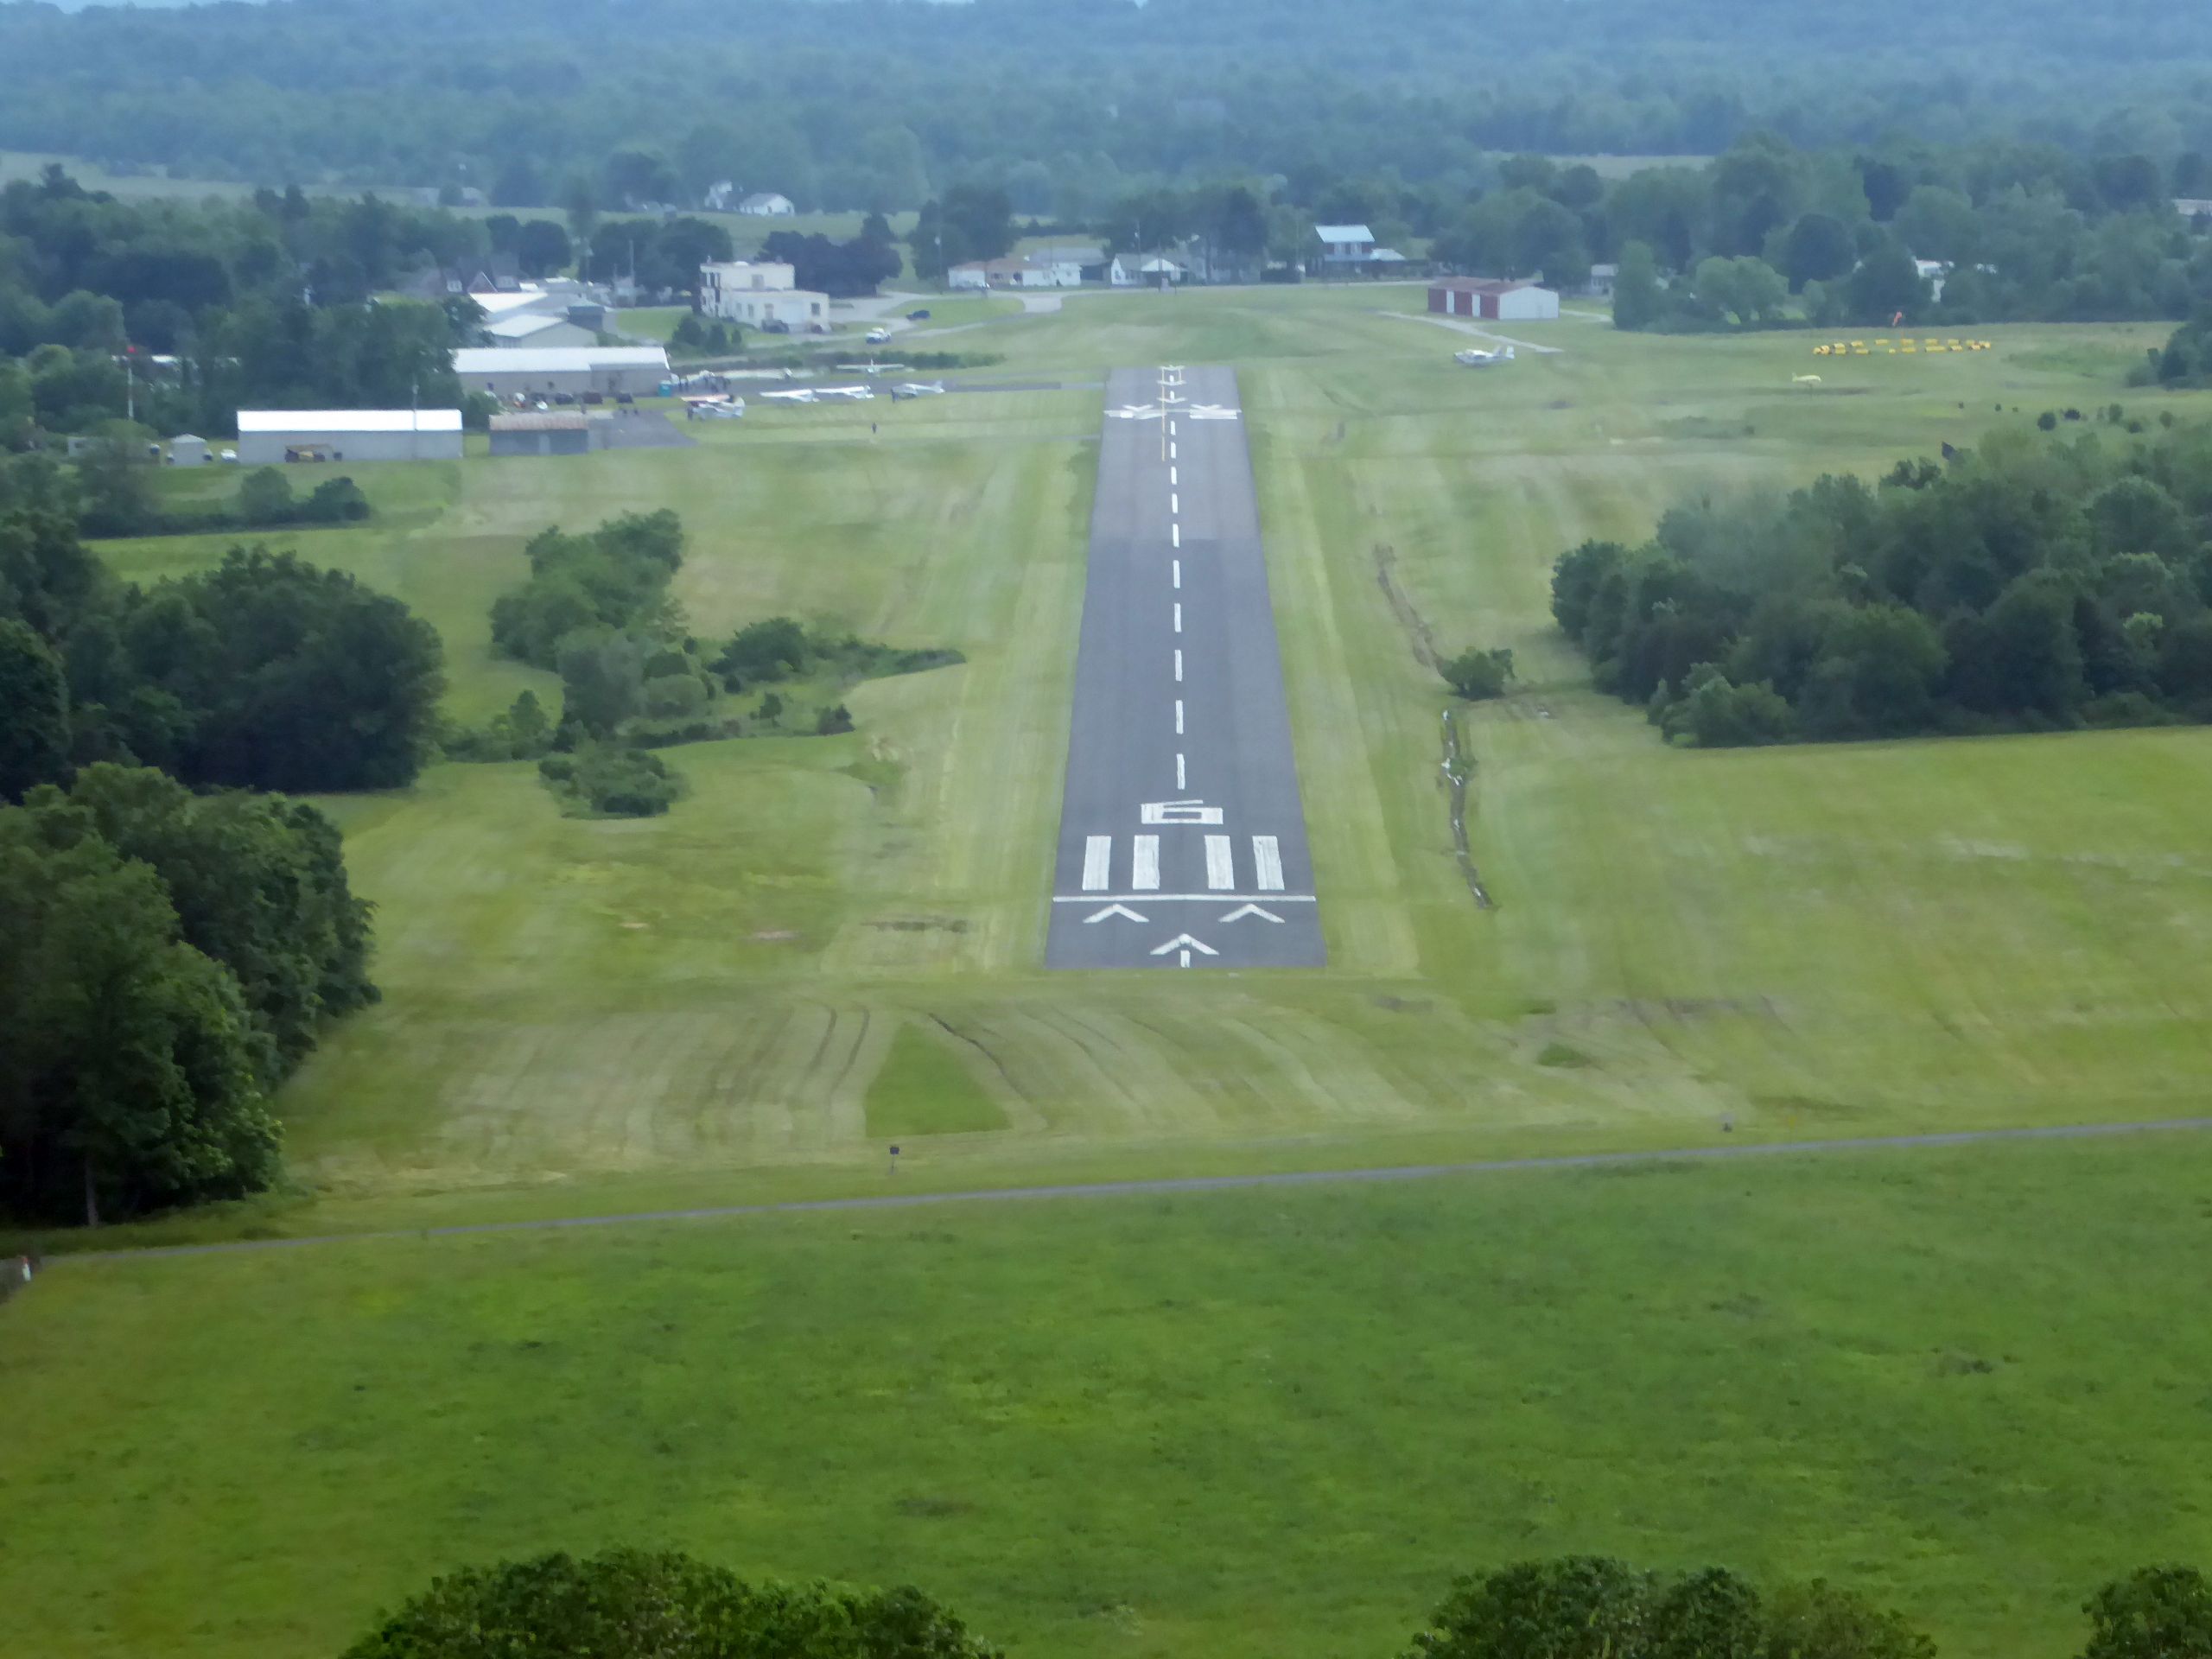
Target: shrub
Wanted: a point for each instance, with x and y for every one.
(1476, 674)
(626, 1603)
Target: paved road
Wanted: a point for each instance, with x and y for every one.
(1733, 1152)
(1182, 839)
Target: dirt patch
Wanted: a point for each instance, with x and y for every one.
(774, 936)
(922, 924)
(1417, 631)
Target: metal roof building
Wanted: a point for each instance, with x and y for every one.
(535, 370)
(269, 437)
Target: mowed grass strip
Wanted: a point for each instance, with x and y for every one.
(1258, 1425)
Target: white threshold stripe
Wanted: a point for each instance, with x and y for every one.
(1144, 874)
(1183, 897)
(1098, 863)
(1267, 853)
(1221, 863)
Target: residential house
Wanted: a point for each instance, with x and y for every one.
(1145, 271)
(767, 204)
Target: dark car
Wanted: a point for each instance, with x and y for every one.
(917, 316)
(624, 397)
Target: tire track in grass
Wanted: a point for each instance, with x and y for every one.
(1191, 1185)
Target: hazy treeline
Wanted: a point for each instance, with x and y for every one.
(878, 104)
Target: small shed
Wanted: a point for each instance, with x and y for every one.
(1493, 300)
(185, 451)
(553, 432)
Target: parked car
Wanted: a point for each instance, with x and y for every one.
(775, 326)
(624, 397)
(878, 336)
(917, 316)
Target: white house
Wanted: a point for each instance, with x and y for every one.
(268, 437)
(1143, 270)
(759, 293)
(1071, 266)
(1344, 245)
(767, 204)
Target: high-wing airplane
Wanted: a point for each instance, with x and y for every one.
(801, 395)
(1475, 358)
(844, 394)
(918, 389)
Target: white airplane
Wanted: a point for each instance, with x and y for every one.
(918, 389)
(718, 409)
(802, 394)
(1475, 358)
(845, 394)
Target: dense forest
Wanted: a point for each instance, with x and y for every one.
(1065, 103)
(2036, 583)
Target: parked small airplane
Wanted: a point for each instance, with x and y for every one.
(801, 395)
(715, 409)
(844, 394)
(918, 389)
(1475, 358)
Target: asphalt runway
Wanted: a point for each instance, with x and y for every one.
(1182, 839)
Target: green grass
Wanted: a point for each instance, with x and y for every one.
(599, 1017)
(924, 1088)
(1253, 1426)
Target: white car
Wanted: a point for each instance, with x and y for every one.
(878, 336)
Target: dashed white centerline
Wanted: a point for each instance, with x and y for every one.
(1171, 452)
(1175, 503)
(1172, 471)
(1176, 532)
(1181, 782)
(1176, 565)
(1178, 716)
(1179, 619)
(1178, 668)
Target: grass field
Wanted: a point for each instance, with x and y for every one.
(1266, 1424)
(593, 1016)
(1257, 1426)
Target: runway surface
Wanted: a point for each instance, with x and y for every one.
(1182, 839)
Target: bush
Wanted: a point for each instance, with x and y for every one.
(1718, 715)
(1476, 674)
(627, 1603)
(615, 782)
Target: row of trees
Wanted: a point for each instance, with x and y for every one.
(1766, 229)
(166, 959)
(2036, 583)
(259, 302)
(626, 1603)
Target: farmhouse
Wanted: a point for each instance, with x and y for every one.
(1046, 268)
(1143, 270)
(1344, 245)
(537, 371)
(767, 204)
(268, 437)
(1487, 297)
